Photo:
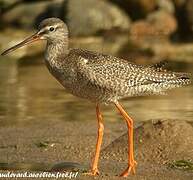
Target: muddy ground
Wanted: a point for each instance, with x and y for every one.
(159, 145)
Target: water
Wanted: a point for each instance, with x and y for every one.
(28, 93)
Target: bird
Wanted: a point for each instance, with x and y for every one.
(101, 78)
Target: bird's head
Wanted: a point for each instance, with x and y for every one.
(51, 29)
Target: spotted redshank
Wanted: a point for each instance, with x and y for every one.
(100, 78)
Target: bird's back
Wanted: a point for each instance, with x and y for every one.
(105, 78)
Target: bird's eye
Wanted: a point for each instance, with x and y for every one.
(51, 29)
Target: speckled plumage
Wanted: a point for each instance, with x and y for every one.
(104, 78)
(101, 78)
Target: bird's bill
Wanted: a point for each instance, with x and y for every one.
(30, 39)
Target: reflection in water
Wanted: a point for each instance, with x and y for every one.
(29, 92)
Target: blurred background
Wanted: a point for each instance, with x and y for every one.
(142, 31)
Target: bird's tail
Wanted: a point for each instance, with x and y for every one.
(159, 74)
(181, 78)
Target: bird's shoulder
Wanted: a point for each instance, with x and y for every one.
(105, 70)
(92, 57)
(103, 65)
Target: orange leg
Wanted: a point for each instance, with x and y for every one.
(94, 167)
(131, 162)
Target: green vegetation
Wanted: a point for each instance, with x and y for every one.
(182, 164)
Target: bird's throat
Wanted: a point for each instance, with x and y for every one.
(56, 51)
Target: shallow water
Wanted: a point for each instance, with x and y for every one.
(28, 92)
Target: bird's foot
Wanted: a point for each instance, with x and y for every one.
(92, 172)
(129, 169)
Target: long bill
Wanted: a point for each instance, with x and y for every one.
(30, 39)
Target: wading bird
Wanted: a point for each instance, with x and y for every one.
(100, 78)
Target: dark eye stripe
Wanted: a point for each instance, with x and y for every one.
(44, 31)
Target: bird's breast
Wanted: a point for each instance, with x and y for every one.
(73, 81)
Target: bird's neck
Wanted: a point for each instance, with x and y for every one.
(56, 51)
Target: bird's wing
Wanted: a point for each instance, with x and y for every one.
(160, 66)
(109, 72)
(118, 75)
